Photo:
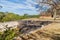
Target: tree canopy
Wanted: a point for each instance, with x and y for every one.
(54, 4)
(7, 16)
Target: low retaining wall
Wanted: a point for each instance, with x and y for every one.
(12, 24)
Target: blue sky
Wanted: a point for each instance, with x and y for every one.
(20, 6)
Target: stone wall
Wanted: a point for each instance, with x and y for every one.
(12, 24)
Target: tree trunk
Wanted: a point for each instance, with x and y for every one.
(54, 14)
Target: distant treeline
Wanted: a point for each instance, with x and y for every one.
(7, 16)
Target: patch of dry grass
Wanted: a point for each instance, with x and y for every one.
(51, 31)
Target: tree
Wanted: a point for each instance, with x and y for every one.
(1, 16)
(11, 17)
(25, 16)
(55, 4)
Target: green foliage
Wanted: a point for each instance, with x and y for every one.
(6, 16)
(34, 16)
(11, 17)
(30, 16)
(1, 15)
(7, 35)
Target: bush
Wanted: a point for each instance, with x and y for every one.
(9, 34)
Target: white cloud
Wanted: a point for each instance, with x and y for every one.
(12, 6)
(15, 5)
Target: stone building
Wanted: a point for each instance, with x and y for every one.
(50, 13)
(46, 14)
